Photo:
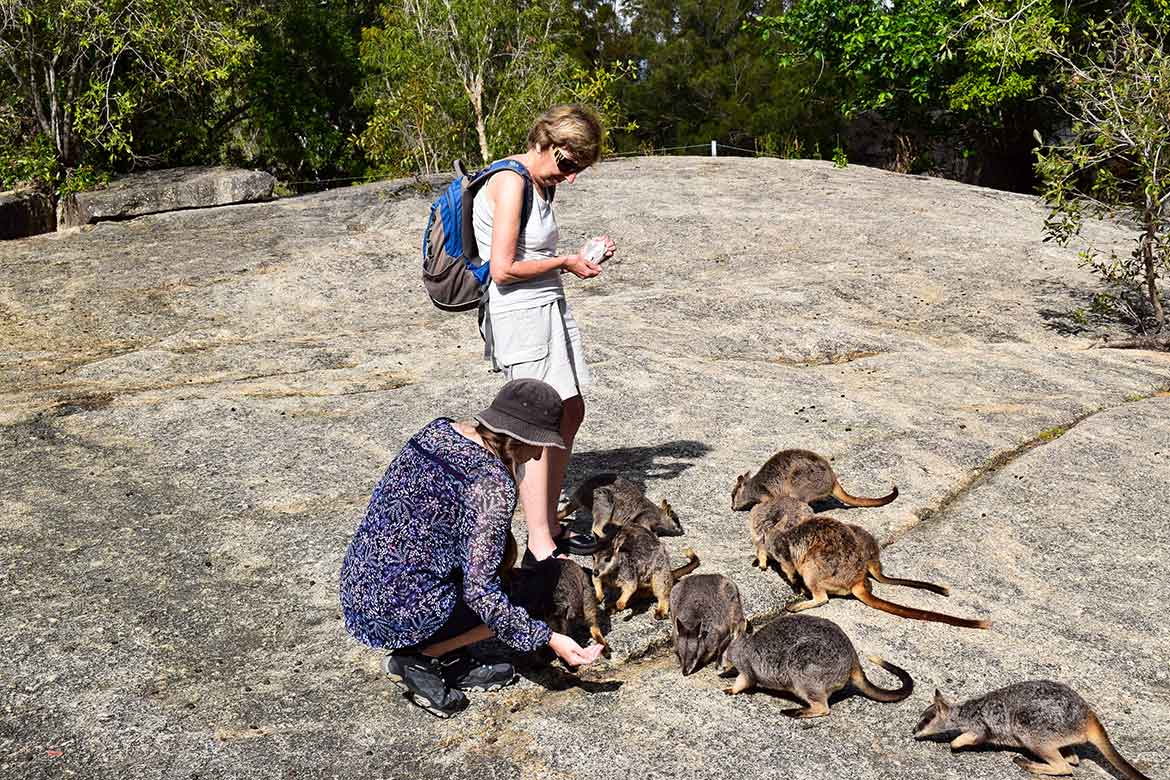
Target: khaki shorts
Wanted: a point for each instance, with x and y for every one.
(540, 343)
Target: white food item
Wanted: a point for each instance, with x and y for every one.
(594, 250)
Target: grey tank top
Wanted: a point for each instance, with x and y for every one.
(538, 241)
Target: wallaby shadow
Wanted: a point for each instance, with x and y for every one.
(1083, 752)
(637, 464)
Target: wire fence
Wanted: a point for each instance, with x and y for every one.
(712, 149)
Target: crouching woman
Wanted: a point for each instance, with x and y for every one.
(421, 577)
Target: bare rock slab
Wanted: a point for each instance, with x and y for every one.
(25, 213)
(172, 189)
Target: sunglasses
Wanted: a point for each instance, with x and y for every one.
(565, 164)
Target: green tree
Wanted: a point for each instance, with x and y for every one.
(703, 75)
(1115, 163)
(84, 69)
(465, 78)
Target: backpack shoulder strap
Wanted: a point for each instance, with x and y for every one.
(471, 186)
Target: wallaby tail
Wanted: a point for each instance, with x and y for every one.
(863, 594)
(1095, 734)
(840, 494)
(875, 571)
(862, 683)
(688, 567)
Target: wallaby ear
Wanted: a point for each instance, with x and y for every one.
(665, 505)
(941, 702)
(749, 628)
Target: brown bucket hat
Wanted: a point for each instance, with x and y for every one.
(528, 410)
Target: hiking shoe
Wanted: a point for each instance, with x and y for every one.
(422, 679)
(576, 542)
(465, 672)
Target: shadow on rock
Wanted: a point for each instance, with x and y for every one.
(638, 464)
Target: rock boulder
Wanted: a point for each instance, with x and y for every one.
(25, 213)
(172, 189)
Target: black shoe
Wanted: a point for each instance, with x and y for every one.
(577, 543)
(465, 672)
(422, 679)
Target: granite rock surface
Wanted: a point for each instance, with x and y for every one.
(196, 405)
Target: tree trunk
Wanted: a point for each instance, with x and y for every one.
(480, 127)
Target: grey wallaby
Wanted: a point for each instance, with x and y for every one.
(558, 592)
(706, 613)
(1039, 716)
(779, 513)
(800, 474)
(615, 502)
(831, 557)
(636, 562)
(808, 657)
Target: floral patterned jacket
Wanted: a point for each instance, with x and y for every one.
(434, 532)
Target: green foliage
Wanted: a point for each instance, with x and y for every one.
(702, 75)
(1114, 163)
(840, 159)
(910, 57)
(29, 163)
(465, 78)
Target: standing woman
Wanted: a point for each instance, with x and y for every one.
(529, 330)
(421, 577)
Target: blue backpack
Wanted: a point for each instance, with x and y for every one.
(453, 272)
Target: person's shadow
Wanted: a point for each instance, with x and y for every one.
(637, 464)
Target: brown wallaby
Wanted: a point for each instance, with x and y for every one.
(706, 613)
(636, 562)
(832, 557)
(800, 474)
(781, 513)
(809, 657)
(615, 502)
(1039, 716)
(558, 592)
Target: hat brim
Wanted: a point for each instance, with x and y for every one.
(520, 430)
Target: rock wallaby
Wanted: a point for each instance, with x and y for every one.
(706, 613)
(636, 562)
(560, 593)
(800, 474)
(779, 513)
(615, 502)
(831, 557)
(808, 657)
(1039, 716)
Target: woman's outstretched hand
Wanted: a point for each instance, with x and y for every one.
(572, 653)
(580, 267)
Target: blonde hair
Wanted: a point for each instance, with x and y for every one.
(572, 127)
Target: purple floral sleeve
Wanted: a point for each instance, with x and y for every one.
(488, 505)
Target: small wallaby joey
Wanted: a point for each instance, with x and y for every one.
(558, 592)
(1039, 716)
(637, 563)
(706, 613)
(780, 513)
(808, 657)
(800, 474)
(831, 557)
(615, 502)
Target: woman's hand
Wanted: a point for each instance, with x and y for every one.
(580, 267)
(572, 653)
